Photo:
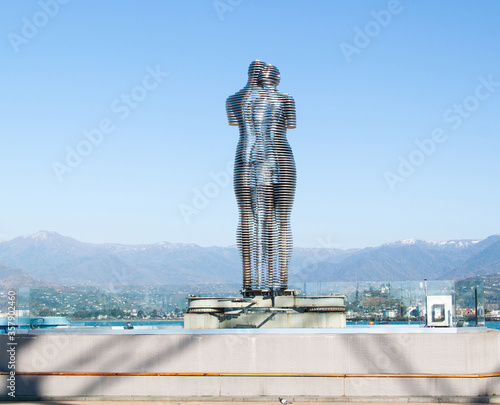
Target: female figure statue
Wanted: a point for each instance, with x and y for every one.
(264, 179)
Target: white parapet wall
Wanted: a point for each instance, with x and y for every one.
(374, 363)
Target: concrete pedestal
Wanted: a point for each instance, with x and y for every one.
(288, 311)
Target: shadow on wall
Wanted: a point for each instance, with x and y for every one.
(356, 364)
(101, 354)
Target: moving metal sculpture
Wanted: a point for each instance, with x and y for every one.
(264, 179)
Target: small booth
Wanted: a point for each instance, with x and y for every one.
(440, 310)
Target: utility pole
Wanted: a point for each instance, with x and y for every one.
(425, 298)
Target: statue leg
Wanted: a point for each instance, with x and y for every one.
(285, 193)
(258, 251)
(270, 236)
(244, 236)
(244, 233)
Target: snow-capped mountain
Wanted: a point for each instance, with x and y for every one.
(450, 244)
(51, 257)
(61, 259)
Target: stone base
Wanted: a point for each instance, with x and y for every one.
(286, 311)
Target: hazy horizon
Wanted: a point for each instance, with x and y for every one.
(324, 244)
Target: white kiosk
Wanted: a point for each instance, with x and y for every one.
(440, 310)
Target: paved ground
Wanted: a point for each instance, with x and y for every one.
(368, 401)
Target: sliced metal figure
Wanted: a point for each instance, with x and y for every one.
(264, 179)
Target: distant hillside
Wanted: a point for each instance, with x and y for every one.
(404, 260)
(54, 258)
(491, 283)
(11, 277)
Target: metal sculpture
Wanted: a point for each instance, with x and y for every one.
(264, 179)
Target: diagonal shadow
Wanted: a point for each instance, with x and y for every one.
(31, 388)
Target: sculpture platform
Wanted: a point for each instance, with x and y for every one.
(284, 311)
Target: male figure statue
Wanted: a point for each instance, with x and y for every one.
(264, 179)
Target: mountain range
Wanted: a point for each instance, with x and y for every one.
(50, 258)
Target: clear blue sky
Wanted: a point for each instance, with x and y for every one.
(370, 81)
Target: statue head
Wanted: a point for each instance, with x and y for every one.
(269, 76)
(254, 70)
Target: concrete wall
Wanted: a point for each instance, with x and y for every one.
(246, 365)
